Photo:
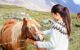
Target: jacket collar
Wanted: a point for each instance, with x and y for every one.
(59, 25)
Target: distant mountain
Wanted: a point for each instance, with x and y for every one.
(43, 5)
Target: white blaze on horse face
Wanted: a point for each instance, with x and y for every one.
(16, 31)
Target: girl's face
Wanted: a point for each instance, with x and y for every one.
(56, 16)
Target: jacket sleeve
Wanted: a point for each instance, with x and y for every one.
(47, 44)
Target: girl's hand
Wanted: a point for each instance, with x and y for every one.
(40, 32)
(32, 41)
(35, 43)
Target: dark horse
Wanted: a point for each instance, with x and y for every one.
(78, 17)
(14, 34)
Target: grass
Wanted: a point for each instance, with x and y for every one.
(74, 44)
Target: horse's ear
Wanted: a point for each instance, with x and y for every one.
(24, 21)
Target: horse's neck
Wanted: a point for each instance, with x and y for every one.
(8, 25)
(16, 31)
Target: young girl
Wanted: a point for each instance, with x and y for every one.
(60, 31)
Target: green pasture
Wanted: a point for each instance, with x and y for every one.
(74, 44)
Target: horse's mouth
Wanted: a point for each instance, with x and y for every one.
(38, 37)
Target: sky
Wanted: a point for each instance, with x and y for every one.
(43, 5)
(77, 1)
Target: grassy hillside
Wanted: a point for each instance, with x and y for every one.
(6, 10)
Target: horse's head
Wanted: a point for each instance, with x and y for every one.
(27, 24)
(78, 15)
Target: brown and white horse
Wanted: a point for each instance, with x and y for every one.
(14, 34)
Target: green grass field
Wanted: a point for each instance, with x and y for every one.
(74, 44)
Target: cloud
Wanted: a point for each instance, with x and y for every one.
(77, 1)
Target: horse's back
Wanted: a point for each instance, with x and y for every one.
(6, 30)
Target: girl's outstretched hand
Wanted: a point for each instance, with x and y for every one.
(32, 41)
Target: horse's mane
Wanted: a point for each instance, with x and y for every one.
(9, 23)
(16, 31)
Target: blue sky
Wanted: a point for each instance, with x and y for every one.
(76, 1)
(44, 5)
